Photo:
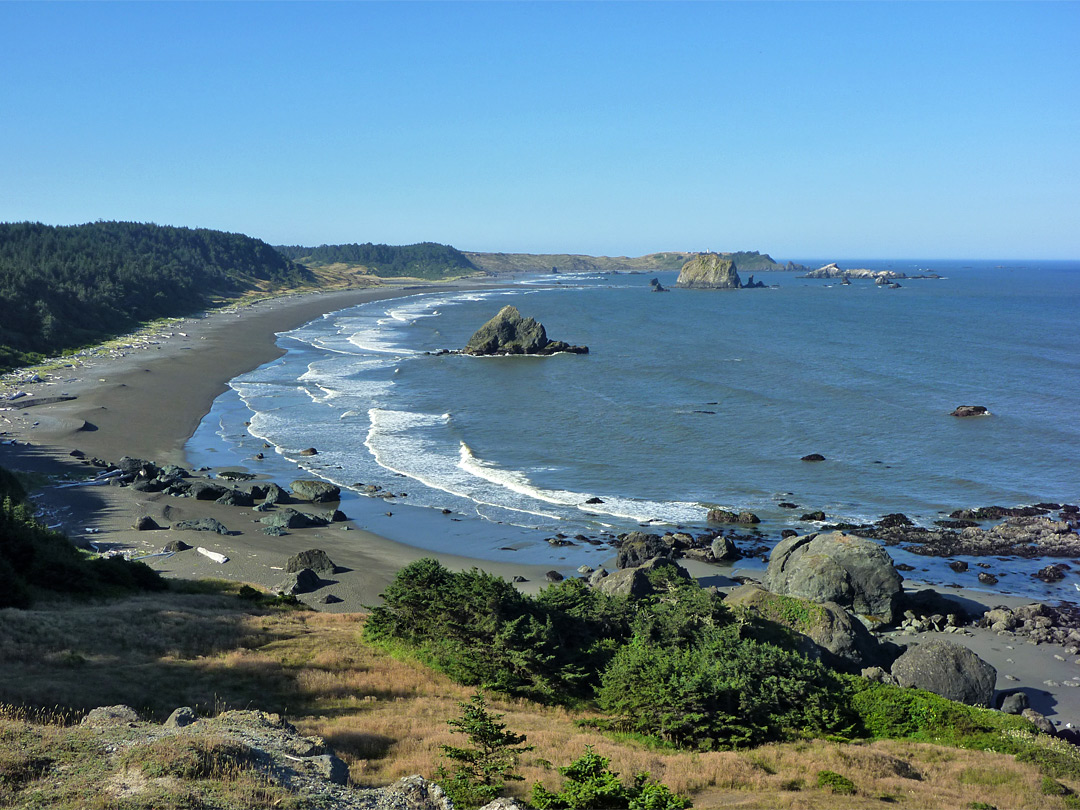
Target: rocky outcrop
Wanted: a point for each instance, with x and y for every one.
(829, 632)
(201, 525)
(745, 518)
(856, 573)
(949, 670)
(509, 333)
(709, 271)
(656, 286)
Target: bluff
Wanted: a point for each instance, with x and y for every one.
(509, 333)
(709, 271)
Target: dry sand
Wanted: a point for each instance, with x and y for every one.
(147, 401)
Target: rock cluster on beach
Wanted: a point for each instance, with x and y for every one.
(509, 333)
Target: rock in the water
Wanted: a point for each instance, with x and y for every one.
(959, 566)
(145, 524)
(509, 333)
(638, 547)
(636, 581)
(310, 451)
(709, 271)
(987, 579)
(119, 715)
(855, 573)
(200, 525)
(745, 517)
(183, 716)
(949, 670)
(656, 285)
(814, 457)
(827, 627)
(971, 410)
(303, 581)
(316, 491)
(316, 559)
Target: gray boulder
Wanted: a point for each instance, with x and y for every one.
(315, 559)
(291, 519)
(949, 670)
(205, 490)
(236, 497)
(145, 523)
(856, 573)
(1015, 703)
(638, 547)
(315, 491)
(830, 632)
(723, 548)
(303, 581)
(119, 715)
(636, 581)
(183, 716)
(509, 333)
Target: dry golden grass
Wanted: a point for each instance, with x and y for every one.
(387, 717)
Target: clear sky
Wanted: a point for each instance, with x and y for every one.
(800, 129)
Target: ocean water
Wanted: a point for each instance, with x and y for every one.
(687, 400)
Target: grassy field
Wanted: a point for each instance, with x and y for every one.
(386, 717)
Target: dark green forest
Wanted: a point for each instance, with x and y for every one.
(428, 260)
(65, 287)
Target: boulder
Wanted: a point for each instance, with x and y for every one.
(970, 410)
(830, 632)
(205, 490)
(949, 670)
(183, 716)
(303, 581)
(176, 545)
(638, 547)
(636, 581)
(291, 519)
(315, 559)
(813, 457)
(315, 491)
(509, 333)
(709, 271)
(1038, 720)
(236, 497)
(200, 525)
(119, 715)
(855, 573)
(145, 523)
(553, 576)
(1014, 702)
(269, 494)
(723, 548)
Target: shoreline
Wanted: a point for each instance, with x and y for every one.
(147, 402)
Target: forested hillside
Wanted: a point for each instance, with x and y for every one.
(428, 260)
(64, 287)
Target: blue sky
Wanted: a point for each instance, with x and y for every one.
(800, 129)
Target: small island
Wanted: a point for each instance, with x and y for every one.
(509, 333)
(712, 271)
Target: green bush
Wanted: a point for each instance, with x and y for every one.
(836, 783)
(590, 784)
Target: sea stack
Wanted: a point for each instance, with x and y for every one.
(709, 271)
(509, 333)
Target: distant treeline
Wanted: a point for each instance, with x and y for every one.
(66, 287)
(428, 260)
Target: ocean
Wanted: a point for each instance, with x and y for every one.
(687, 400)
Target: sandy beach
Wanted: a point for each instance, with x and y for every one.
(147, 400)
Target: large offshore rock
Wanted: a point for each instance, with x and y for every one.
(856, 573)
(826, 627)
(509, 333)
(949, 670)
(709, 271)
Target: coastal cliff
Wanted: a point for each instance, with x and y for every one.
(709, 271)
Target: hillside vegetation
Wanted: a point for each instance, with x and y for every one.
(62, 288)
(426, 260)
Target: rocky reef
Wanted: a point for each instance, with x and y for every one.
(509, 333)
